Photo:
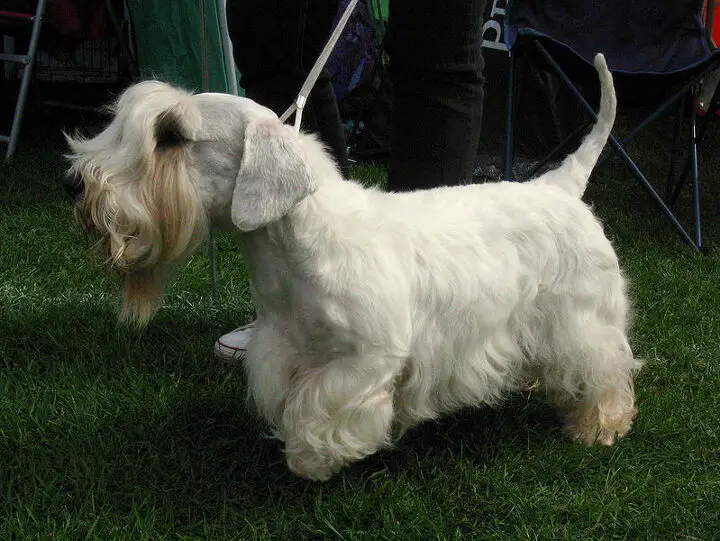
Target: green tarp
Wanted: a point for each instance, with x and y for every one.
(179, 42)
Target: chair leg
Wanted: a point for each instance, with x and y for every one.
(692, 166)
(653, 194)
(702, 129)
(673, 154)
(695, 173)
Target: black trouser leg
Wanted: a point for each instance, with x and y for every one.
(436, 68)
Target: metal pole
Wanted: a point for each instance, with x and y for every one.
(25, 83)
(212, 245)
(227, 48)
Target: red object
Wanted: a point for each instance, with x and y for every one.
(15, 15)
(713, 10)
(79, 19)
(85, 20)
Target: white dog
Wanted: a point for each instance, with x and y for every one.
(376, 310)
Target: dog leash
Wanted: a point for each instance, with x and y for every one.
(299, 103)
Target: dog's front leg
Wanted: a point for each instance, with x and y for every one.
(268, 368)
(338, 412)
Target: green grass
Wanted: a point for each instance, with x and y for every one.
(106, 433)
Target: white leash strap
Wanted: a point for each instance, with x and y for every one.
(299, 104)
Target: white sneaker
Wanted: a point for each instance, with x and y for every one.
(233, 345)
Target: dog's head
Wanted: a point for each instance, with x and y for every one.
(167, 165)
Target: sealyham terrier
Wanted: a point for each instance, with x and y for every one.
(376, 311)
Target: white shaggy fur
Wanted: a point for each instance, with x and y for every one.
(376, 310)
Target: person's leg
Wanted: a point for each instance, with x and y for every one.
(275, 44)
(436, 69)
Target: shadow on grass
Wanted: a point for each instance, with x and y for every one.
(202, 455)
(151, 419)
(88, 338)
(203, 450)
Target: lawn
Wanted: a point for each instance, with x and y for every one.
(107, 433)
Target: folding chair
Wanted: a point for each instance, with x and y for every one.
(18, 14)
(660, 47)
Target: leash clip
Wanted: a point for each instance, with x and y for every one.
(299, 103)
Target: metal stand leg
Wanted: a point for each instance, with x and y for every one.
(28, 60)
(227, 48)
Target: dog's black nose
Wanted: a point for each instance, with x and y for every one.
(74, 187)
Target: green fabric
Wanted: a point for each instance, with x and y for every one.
(383, 5)
(170, 42)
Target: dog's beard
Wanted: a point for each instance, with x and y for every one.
(142, 292)
(142, 287)
(143, 225)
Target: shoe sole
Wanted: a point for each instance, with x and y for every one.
(229, 355)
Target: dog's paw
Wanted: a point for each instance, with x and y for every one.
(600, 428)
(311, 465)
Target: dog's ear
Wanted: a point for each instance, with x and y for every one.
(274, 175)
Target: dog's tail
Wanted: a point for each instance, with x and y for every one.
(573, 173)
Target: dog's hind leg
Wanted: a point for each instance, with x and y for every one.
(339, 412)
(589, 374)
(601, 407)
